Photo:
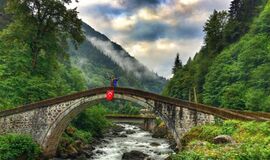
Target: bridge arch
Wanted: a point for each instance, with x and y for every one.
(45, 121)
(52, 137)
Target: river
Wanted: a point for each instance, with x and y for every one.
(114, 148)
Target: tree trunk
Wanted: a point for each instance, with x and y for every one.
(195, 95)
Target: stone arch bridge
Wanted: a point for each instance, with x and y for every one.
(45, 121)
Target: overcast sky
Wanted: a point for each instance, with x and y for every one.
(153, 31)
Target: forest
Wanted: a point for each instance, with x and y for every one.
(232, 68)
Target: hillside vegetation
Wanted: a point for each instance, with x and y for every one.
(251, 141)
(232, 68)
(33, 65)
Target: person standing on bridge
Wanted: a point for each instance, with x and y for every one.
(115, 81)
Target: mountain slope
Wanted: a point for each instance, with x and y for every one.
(99, 58)
(230, 72)
(240, 75)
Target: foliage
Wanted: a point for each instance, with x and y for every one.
(14, 146)
(252, 141)
(214, 28)
(20, 86)
(239, 77)
(45, 25)
(92, 120)
(232, 68)
(122, 107)
(177, 64)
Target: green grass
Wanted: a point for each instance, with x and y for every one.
(252, 142)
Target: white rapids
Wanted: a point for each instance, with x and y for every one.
(139, 141)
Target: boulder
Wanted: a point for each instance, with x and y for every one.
(122, 135)
(130, 132)
(63, 155)
(100, 152)
(71, 151)
(82, 157)
(105, 141)
(160, 131)
(88, 154)
(118, 129)
(154, 144)
(115, 134)
(222, 139)
(134, 155)
(88, 147)
(168, 158)
(78, 144)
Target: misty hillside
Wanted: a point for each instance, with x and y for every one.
(99, 58)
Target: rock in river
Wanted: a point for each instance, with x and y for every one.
(154, 144)
(134, 155)
(130, 132)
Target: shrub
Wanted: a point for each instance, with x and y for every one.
(14, 146)
(92, 120)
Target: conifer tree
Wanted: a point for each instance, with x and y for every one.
(177, 64)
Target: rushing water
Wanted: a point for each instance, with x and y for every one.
(139, 141)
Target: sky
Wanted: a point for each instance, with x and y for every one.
(153, 31)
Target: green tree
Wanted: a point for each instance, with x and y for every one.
(177, 64)
(224, 73)
(241, 14)
(45, 25)
(214, 31)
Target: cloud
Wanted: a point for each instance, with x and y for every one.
(148, 30)
(153, 31)
(160, 55)
(104, 10)
(135, 4)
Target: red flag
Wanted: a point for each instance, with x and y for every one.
(109, 95)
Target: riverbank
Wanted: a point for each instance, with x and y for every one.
(228, 140)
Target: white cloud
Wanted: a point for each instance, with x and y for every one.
(159, 54)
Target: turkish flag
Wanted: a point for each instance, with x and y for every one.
(109, 95)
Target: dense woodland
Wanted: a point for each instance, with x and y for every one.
(232, 69)
(38, 41)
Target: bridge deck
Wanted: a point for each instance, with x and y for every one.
(219, 112)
